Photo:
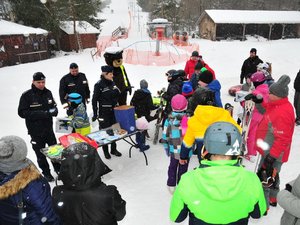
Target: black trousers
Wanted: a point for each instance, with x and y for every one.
(39, 142)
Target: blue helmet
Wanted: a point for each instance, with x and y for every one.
(223, 138)
(75, 97)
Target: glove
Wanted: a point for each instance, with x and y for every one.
(94, 118)
(87, 101)
(288, 187)
(268, 165)
(53, 111)
(255, 98)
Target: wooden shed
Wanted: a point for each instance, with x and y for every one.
(85, 37)
(21, 44)
(236, 24)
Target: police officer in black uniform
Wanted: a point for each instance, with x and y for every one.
(105, 98)
(37, 107)
(73, 82)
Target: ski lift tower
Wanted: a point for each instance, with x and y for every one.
(159, 25)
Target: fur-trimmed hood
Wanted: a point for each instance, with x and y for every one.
(13, 183)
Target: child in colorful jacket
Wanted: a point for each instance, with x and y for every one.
(205, 114)
(172, 138)
(261, 89)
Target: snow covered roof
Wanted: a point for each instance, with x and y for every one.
(82, 27)
(11, 28)
(254, 16)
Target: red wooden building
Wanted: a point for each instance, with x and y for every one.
(21, 44)
(85, 37)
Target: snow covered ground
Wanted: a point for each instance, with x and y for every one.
(144, 187)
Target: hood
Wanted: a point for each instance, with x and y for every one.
(214, 85)
(81, 167)
(220, 180)
(205, 115)
(11, 184)
(140, 94)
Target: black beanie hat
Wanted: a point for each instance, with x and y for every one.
(107, 69)
(205, 76)
(195, 53)
(253, 50)
(73, 66)
(38, 76)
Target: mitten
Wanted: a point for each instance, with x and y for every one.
(288, 187)
(255, 98)
(129, 90)
(94, 118)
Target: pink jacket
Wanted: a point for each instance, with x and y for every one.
(262, 90)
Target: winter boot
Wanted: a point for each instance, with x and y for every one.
(171, 189)
(273, 201)
(105, 151)
(115, 152)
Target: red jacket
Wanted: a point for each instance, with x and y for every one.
(277, 127)
(190, 68)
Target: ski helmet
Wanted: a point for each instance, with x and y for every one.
(179, 103)
(263, 66)
(75, 97)
(223, 138)
(258, 77)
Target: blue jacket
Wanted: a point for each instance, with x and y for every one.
(215, 86)
(36, 196)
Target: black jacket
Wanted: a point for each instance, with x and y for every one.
(34, 107)
(84, 199)
(297, 82)
(174, 88)
(105, 98)
(143, 104)
(73, 84)
(249, 66)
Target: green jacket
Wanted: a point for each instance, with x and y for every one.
(218, 192)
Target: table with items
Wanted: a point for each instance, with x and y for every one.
(95, 139)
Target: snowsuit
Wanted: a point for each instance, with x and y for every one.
(36, 195)
(249, 66)
(297, 96)
(86, 199)
(290, 202)
(34, 107)
(218, 192)
(172, 138)
(73, 84)
(143, 104)
(105, 98)
(215, 86)
(203, 117)
(80, 120)
(276, 128)
(262, 90)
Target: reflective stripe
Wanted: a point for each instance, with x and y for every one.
(124, 76)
